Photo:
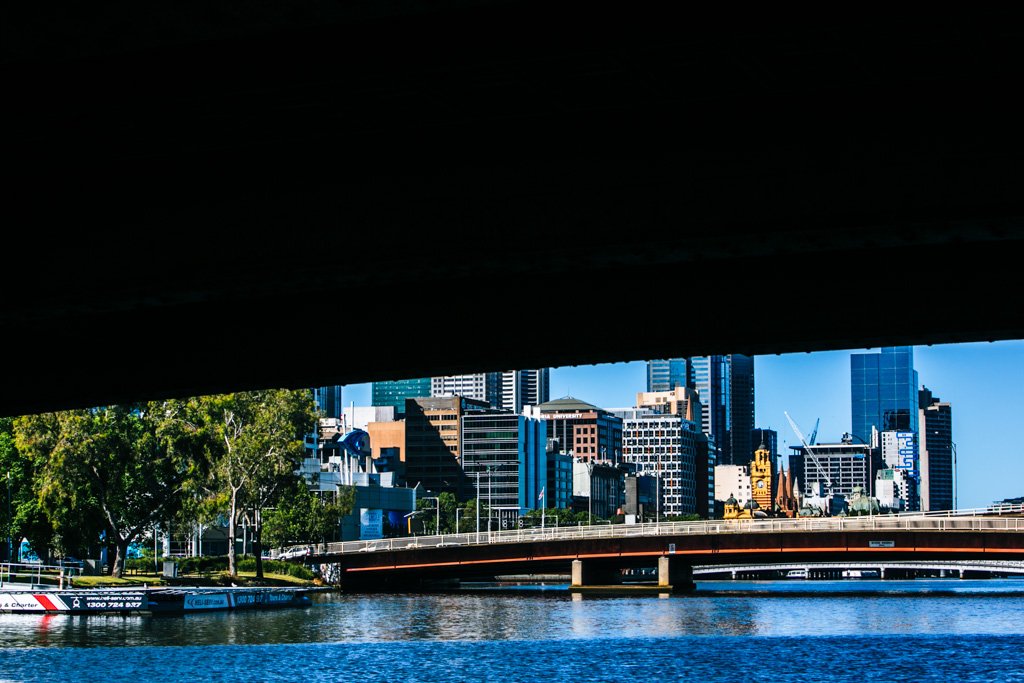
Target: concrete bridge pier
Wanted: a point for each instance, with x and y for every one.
(592, 573)
(881, 572)
(674, 572)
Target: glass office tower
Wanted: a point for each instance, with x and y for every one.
(395, 393)
(883, 390)
(667, 374)
(726, 388)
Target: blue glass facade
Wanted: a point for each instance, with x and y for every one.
(726, 388)
(883, 391)
(667, 374)
(328, 400)
(395, 393)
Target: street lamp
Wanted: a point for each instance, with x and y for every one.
(955, 487)
(10, 539)
(437, 501)
(490, 491)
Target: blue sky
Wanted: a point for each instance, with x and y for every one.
(983, 381)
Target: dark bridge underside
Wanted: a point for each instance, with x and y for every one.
(393, 569)
(212, 199)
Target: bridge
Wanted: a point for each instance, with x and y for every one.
(401, 153)
(596, 554)
(882, 566)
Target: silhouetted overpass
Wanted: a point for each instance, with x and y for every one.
(251, 196)
(596, 553)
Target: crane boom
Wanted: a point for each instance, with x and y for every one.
(814, 458)
(814, 435)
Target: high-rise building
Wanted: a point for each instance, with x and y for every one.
(936, 452)
(883, 392)
(521, 388)
(433, 442)
(732, 480)
(725, 385)
(900, 452)
(508, 452)
(328, 400)
(835, 468)
(358, 417)
(578, 428)
(397, 392)
(479, 386)
(664, 446)
(681, 401)
(510, 390)
(558, 493)
(668, 374)
(705, 475)
(767, 437)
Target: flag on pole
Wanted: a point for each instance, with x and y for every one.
(541, 496)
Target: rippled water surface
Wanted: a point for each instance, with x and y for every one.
(796, 631)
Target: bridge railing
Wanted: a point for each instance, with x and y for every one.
(981, 519)
(1003, 566)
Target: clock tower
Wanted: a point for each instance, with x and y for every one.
(761, 478)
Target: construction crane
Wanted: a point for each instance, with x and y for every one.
(814, 434)
(814, 458)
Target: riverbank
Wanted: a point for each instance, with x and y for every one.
(221, 579)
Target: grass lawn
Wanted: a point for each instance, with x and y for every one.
(277, 579)
(137, 580)
(132, 581)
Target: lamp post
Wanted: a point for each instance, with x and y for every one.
(10, 538)
(490, 489)
(437, 502)
(955, 487)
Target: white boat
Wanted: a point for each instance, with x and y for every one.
(860, 574)
(796, 574)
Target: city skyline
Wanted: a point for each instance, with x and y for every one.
(981, 380)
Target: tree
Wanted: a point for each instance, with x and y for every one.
(21, 513)
(302, 517)
(119, 469)
(557, 516)
(260, 444)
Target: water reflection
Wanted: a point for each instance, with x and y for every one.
(531, 615)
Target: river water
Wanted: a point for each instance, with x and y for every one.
(939, 630)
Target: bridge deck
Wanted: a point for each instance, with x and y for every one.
(1001, 519)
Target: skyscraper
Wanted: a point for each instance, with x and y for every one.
(883, 390)
(328, 400)
(524, 388)
(479, 386)
(509, 390)
(668, 374)
(395, 393)
(936, 452)
(726, 388)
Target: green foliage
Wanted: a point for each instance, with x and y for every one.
(215, 564)
(692, 517)
(560, 517)
(302, 517)
(116, 469)
(259, 437)
(27, 519)
(248, 564)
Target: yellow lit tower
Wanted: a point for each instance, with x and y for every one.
(761, 477)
